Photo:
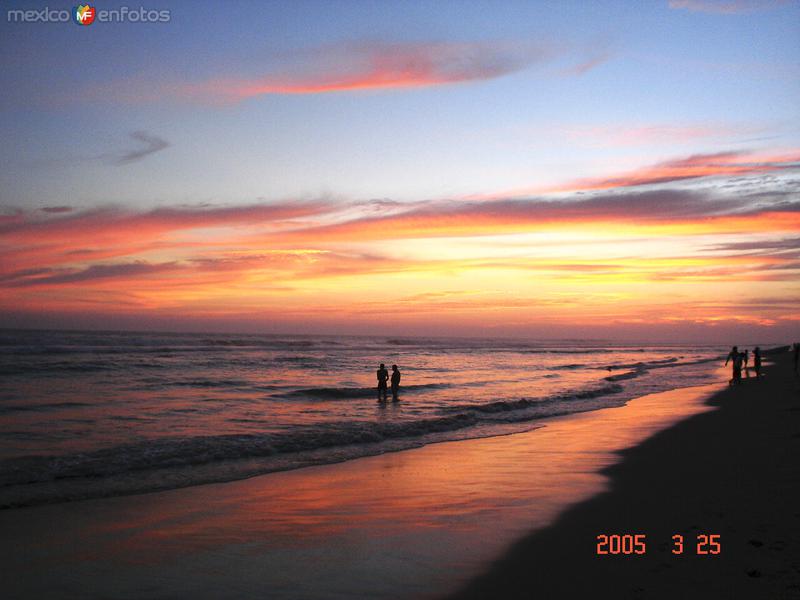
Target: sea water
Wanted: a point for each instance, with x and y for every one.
(93, 414)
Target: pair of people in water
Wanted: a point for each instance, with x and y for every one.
(383, 378)
(740, 360)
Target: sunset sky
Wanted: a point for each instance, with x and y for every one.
(613, 170)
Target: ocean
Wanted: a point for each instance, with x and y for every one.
(96, 414)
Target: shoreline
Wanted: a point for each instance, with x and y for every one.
(415, 523)
(729, 472)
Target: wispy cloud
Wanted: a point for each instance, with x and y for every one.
(768, 246)
(33, 238)
(668, 209)
(725, 7)
(353, 67)
(150, 145)
(114, 220)
(375, 66)
(656, 134)
(692, 167)
(125, 271)
(593, 58)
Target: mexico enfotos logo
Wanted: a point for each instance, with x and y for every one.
(86, 14)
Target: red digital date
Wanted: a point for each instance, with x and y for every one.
(707, 543)
(621, 544)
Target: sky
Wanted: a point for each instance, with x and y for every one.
(612, 170)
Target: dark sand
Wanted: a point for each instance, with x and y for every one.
(733, 472)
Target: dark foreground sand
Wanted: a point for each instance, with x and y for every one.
(732, 472)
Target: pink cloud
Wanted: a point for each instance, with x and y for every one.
(380, 66)
(359, 67)
(31, 238)
(692, 167)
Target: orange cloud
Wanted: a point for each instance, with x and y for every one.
(78, 239)
(29, 238)
(672, 212)
(338, 261)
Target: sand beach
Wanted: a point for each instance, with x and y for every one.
(730, 472)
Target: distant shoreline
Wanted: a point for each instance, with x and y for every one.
(387, 336)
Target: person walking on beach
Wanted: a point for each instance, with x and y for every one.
(395, 382)
(383, 375)
(757, 361)
(735, 356)
(796, 347)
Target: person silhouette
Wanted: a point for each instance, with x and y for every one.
(757, 361)
(735, 356)
(383, 375)
(395, 382)
(745, 360)
(796, 348)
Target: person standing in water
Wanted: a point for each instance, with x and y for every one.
(735, 356)
(757, 361)
(383, 375)
(395, 382)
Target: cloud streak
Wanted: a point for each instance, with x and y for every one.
(725, 7)
(733, 163)
(639, 135)
(112, 220)
(377, 66)
(151, 145)
(594, 57)
(678, 211)
(356, 67)
(32, 238)
(125, 271)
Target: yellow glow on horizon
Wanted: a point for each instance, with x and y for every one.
(489, 265)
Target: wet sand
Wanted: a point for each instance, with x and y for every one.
(422, 523)
(731, 472)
